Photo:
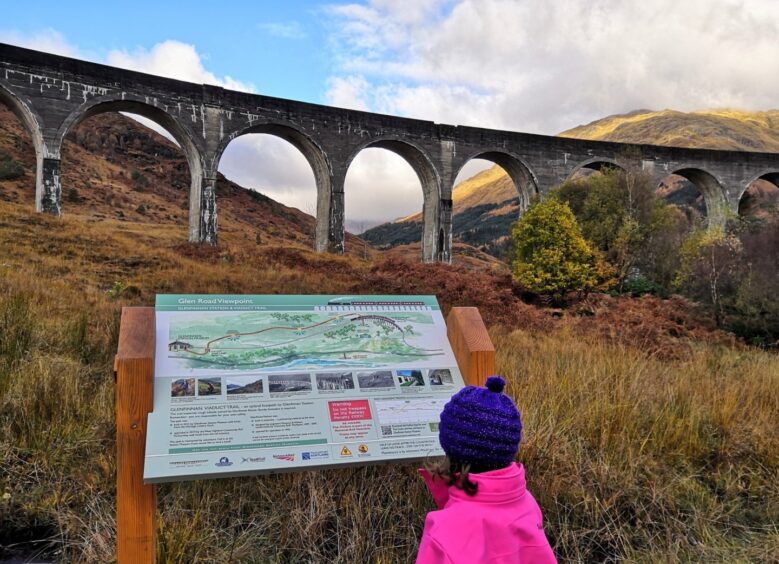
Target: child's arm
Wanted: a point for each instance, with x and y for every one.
(430, 552)
(438, 488)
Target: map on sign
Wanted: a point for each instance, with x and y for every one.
(241, 341)
(252, 384)
(423, 410)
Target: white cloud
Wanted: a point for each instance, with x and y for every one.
(272, 166)
(46, 40)
(348, 92)
(380, 186)
(173, 59)
(283, 30)
(541, 66)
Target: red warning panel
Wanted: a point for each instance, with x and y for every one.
(350, 410)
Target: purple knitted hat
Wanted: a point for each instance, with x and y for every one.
(481, 426)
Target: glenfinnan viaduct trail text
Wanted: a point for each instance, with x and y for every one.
(51, 94)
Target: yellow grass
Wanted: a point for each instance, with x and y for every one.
(604, 127)
(723, 128)
(630, 457)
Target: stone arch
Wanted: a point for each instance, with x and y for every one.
(27, 116)
(770, 175)
(522, 176)
(32, 123)
(317, 159)
(711, 189)
(597, 164)
(199, 214)
(428, 176)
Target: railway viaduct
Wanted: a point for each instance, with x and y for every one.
(51, 94)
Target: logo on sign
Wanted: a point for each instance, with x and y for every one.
(362, 449)
(314, 454)
(345, 451)
(287, 457)
(224, 461)
(252, 460)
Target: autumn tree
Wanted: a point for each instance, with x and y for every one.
(621, 215)
(551, 257)
(709, 263)
(755, 304)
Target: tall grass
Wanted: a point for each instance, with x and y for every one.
(636, 458)
(631, 456)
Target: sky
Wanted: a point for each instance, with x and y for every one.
(538, 66)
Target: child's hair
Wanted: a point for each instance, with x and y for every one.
(453, 472)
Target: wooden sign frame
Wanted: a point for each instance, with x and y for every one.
(136, 502)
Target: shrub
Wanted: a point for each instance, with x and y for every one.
(139, 180)
(551, 257)
(9, 168)
(640, 285)
(73, 195)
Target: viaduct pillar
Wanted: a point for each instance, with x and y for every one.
(330, 230)
(48, 187)
(336, 231)
(444, 231)
(202, 208)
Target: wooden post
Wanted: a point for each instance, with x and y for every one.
(471, 344)
(136, 503)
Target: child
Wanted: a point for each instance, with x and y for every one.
(485, 514)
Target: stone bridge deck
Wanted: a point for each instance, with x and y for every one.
(51, 94)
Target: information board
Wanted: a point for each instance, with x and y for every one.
(247, 384)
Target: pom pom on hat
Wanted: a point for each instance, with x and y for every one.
(496, 384)
(481, 426)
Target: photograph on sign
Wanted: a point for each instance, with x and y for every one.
(252, 384)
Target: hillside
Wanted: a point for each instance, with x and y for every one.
(116, 170)
(485, 205)
(651, 380)
(655, 462)
(728, 129)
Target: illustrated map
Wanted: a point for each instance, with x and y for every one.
(306, 340)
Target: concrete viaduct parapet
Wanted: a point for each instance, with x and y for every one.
(51, 94)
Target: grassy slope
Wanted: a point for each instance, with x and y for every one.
(485, 205)
(712, 129)
(648, 435)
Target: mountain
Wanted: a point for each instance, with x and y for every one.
(735, 130)
(251, 388)
(485, 205)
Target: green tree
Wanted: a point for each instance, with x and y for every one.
(638, 232)
(551, 255)
(660, 258)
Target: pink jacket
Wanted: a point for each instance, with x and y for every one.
(502, 523)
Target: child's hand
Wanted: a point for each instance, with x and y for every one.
(438, 488)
